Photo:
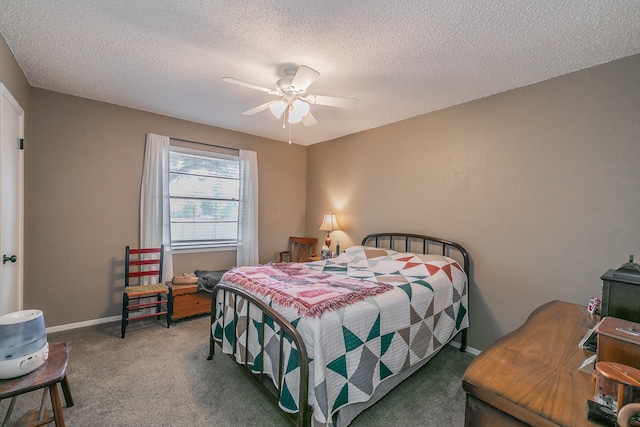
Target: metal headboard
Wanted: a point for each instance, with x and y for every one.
(427, 244)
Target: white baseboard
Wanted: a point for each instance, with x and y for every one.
(83, 324)
(469, 350)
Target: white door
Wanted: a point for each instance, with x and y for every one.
(11, 202)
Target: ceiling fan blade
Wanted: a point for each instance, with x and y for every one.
(249, 85)
(257, 109)
(303, 78)
(309, 120)
(333, 101)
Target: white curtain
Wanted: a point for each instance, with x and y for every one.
(247, 253)
(155, 226)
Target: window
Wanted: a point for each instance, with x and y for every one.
(204, 190)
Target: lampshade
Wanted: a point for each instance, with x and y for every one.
(277, 108)
(329, 223)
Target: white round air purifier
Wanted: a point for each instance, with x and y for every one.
(23, 343)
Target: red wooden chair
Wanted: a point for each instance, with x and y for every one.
(139, 264)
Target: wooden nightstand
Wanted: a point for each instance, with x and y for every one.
(189, 301)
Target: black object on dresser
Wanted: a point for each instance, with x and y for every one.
(621, 292)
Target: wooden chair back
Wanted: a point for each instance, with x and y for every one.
(301, 249)
(144, 262)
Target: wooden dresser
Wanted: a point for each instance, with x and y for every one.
(189, 301)
(531, 376)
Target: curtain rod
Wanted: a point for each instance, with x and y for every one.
(204, 143)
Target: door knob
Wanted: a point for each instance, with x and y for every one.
(11, 258)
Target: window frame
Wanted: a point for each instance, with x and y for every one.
(201, 153)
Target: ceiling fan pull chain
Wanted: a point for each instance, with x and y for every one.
(289, 133)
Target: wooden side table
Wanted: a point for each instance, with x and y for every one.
(531, 376)
(188, 301)
(52, 372)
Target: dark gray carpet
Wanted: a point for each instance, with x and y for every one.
(161, 377)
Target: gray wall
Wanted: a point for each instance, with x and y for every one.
(86, 170)
(13, 78)
(540, 184)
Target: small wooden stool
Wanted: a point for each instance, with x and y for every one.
(617, 381)
(52, 372)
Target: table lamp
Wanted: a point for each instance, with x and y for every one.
(329, 224)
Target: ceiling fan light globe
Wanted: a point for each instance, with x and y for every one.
(277, 108)
(302, 108)
(294, 116)
(293, 119)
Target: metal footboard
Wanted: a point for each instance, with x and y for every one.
(264, 382)
(397, 241)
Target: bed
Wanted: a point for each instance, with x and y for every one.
(326, 339)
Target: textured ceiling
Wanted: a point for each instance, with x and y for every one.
(400, 58)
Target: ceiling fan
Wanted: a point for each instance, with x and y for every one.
(294, 103)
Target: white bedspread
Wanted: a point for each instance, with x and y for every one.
(353, 349)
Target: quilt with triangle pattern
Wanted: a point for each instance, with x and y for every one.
(353, 348)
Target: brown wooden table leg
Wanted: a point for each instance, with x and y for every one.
(56, 405)
(68, 398)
